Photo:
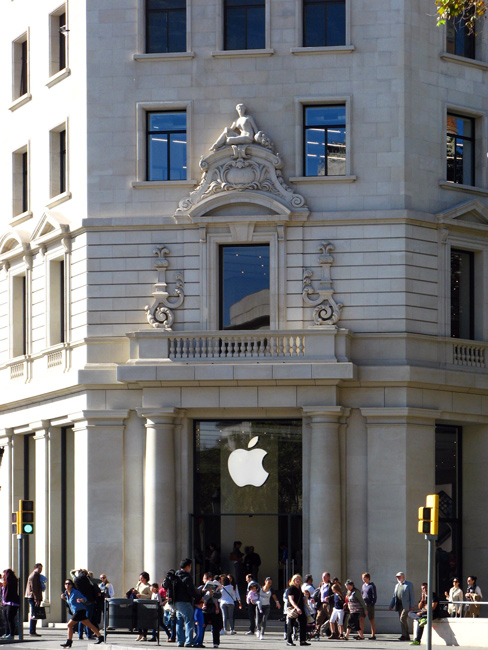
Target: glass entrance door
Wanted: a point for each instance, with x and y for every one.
(248, 489)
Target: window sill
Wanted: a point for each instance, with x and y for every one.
(458, 187)
(144, 185)
(474, 63)
(20, 218)
(59, 198)
(234, 54)
(59, 76)
(335, 49)
(323, 179)
(20, 102)
(164, 56)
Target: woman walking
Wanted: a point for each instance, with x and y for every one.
(10, 601)
(295, 610)
(265, 596)
(77, 606)
(230, 598)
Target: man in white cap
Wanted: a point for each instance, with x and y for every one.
(403, 602)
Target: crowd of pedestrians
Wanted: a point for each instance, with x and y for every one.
(186, 611)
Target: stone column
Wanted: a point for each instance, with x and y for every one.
(41, 500)
(159, 492)
(99, 492)
(325, 518)
(401, 472)
(7, 541)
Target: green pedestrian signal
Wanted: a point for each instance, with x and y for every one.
(26, 517)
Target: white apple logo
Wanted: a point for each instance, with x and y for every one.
(246, 467)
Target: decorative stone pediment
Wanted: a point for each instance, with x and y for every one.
(242, 177)
(50, 226)
(13, 242)
(470, 212)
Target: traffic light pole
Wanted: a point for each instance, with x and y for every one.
(431, 539)
(20, 539)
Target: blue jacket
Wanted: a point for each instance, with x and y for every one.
(403, 591)
(72, 600)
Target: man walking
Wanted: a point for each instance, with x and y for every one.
(185, 593)
(33, 593)
(403, 603)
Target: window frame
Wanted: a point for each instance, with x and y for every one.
(58, 46)
(19, 284)
(168, 133)
(210, 274)
(21, 70)
(142, 108)
(471, 297)
(147, 12)
(56, 297)
(21, 183)
(450, 25)
(258, 4)
(58, 172)
(326, 130)
(223, 53)
(313, 101)
(480, 146)
(464, 138)
(222, 247)
(325, 3)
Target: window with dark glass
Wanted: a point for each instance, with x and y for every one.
(165, 26)
(325, 140)
(62, 41)
(460, 39)
(244, 287)
(62, 161)
(20, 181)
(460, 149)
(166, 146)
(23, 71)
(19, 316)
(25, 182)
(448, 474)
(244, 24)
(462, 294)
(324, 23)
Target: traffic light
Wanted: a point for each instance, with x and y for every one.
(429, 515)
(26, 517)
(14, 520)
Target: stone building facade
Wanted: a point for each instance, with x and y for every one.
(134, 361)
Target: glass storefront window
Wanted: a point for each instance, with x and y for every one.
(248, 488)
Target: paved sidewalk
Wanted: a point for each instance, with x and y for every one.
(52, 638)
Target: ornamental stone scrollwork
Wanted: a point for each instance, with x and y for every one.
(327, 311)
(160, 313)
(243, 159)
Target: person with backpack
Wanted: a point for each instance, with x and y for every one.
(90, 591)
(368, 591)
(184, 593)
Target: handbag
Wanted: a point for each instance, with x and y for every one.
(39, 613)
(291, 612)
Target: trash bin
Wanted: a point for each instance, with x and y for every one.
(147, 614)
(121, 613)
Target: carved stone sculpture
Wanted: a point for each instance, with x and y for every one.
(242, 159)
(160, 313)
(327, 311)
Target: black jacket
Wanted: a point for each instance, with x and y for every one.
(185, 590)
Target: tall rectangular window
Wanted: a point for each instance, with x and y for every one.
(58, 41)
(462, 294)
(460, 149)
(459, 39)
(58, 161)
(20, 73)
(20, 181)
(166, 146)
(19, 316)
(244, 287)
(244, 24)
(448, 474)
(324, 23)
(165, 26)
(325, 140)
(56, 314)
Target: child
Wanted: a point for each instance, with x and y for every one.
(337, 618)
(155, 595)
(199, 629)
